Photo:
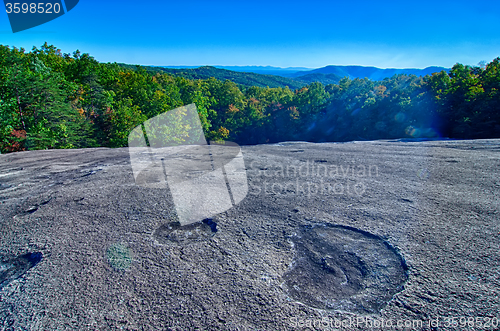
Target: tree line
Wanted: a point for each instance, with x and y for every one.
(50, 99)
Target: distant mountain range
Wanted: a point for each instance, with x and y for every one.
(262, 70)
(331, 72)
(293, 77)
(352, 72)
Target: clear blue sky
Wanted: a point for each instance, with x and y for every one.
(386, 34)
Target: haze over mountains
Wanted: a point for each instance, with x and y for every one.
(262, 70)
(327, 75)
(292, 77)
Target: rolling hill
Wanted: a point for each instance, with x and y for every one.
(243, 78)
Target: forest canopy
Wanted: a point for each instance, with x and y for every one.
(50, 99)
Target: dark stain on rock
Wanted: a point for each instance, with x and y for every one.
(344, 268)
(210, 222)
(14, 268)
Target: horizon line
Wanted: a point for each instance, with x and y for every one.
(284, 68)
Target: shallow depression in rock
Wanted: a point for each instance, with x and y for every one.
(174, 232)
(344, 268)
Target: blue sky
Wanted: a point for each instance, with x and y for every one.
(385, 34)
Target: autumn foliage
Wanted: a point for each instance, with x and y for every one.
(53, 100)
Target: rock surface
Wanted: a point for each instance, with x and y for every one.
(349, 232)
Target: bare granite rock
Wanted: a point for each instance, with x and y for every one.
(352, 233)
